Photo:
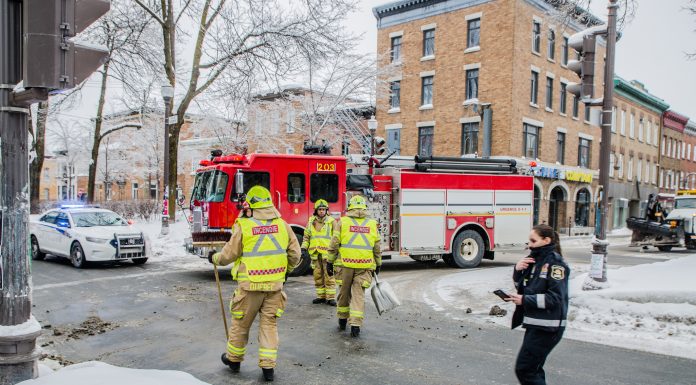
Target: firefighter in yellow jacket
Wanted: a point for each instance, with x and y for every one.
(263, 249)
(317, 237)
(356, 242)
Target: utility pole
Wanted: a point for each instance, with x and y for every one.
(599, 246)
(17, 349)
(168, 96)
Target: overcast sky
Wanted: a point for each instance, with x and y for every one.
(651, 50)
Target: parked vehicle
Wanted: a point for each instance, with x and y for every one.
(668, 222)
(86, 234)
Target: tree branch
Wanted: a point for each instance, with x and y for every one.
(148, 10)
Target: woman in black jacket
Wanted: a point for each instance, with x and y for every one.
(541, 280)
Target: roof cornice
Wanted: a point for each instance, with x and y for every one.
(626, 89)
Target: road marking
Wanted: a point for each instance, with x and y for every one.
(104, 279)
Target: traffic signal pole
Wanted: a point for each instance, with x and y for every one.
(599, 246)
(18, 329)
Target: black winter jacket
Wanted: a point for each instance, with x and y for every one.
(544, 286)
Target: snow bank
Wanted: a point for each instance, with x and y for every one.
(94, 372)
(649, 307)
(29, 326)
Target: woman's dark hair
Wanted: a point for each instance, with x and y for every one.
(546, 231)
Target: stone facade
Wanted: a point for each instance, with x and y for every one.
(504, 61)
(635, 144)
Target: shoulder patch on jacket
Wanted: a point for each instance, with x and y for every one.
(557, 272)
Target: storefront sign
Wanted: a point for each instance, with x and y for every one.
(554, 173)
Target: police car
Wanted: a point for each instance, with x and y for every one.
(85, 234)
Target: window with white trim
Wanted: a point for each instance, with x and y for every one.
(629, 169)
(534, 88)
(623, 122)
(648, 132)
(473, 33)
(428, 42)
(639, 170)
(551, 44)
(640, 130)
(612, 164)
(396, 49)
(472, 83)
(536, 36)
(613, 119)
(427, 91)
(621, 166)
(631, 127)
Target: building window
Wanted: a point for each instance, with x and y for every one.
(472, 84)
(425, 141)
(560, 147)
(629, 170)
(582, 208)
(639, 171)
(537, 205)
(640, 130)
(134, 191)
(429, 42)
(632, 128)
(662, 178)
(612, 164)
(621, 166)
(655, 133)
(576, 106)
(427, 91)
(394, 140)
(646, 177)
(613, 119)
(623, 122)
(664, 139)
(46, 194)
(473, 33)
(587, 112)
(654, 174)
(564, 59)
(549, 92)
(648, 133)
(536, 36)
(564, 97)
(290, 124)
(584, 153)
(396, 49)
(530, 141)
(395, 95)
(153, 190)
(551, 46)
(535, 87)
(470, 138)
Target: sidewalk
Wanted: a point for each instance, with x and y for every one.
(622, 235)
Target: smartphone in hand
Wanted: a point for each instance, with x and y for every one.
(503, 295)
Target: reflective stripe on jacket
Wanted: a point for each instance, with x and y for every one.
(358, 238)
(264, 245)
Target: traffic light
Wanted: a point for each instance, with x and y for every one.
(50, 59)
(585, 43)
(379, 145)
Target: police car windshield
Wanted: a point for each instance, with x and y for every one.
(685, 203)
(99, 218)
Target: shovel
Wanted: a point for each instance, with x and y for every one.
(383, 296)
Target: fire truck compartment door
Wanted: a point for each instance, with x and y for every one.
(513, 217)
(422, 219)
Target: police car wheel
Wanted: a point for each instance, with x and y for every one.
(468, 249)
(77, 255)
(664, 248)
(305, 261)
(36, 253)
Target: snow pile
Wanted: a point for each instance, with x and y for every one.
(28, 327)
(622, 231)
(170, 247)
(94, 372)
(648, 307)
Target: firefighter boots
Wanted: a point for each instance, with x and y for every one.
(331, 302)
(355, 331)
(342, 323)
(233, 365)
(318, 300)
(267, 374)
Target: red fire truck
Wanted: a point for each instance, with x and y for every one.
(460, 210)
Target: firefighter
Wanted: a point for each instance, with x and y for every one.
(541, 280)
(356, 243)
(317, 237)
(263, 249)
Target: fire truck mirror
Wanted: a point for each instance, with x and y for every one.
(239, 183)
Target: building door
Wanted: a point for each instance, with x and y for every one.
(555, 208)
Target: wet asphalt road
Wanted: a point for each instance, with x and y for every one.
(168, 317)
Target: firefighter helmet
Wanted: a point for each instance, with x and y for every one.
(321, 203)
(259, 197)
(357, 202)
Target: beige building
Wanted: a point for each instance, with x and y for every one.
(635, 143)
(458, 57)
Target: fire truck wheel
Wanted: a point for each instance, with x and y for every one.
(304, 266)
(468, 249)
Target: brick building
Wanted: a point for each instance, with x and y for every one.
(634, 159)
(672, 150)
(457, 57)
(688, 164)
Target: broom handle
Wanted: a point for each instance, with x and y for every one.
(222, 307)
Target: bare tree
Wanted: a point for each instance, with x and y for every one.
(579, 11)
(124, 33)
(239, 40)
(37, 148)
(69, 141)
(691, 8)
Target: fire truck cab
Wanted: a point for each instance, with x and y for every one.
(458, 210)
(296, 182)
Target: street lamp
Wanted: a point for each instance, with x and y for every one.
(372, 126)
(167, 94)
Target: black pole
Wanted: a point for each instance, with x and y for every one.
(17, 352)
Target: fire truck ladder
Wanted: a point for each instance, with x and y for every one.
(346, 118)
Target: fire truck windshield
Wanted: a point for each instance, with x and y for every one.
(216, 187)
